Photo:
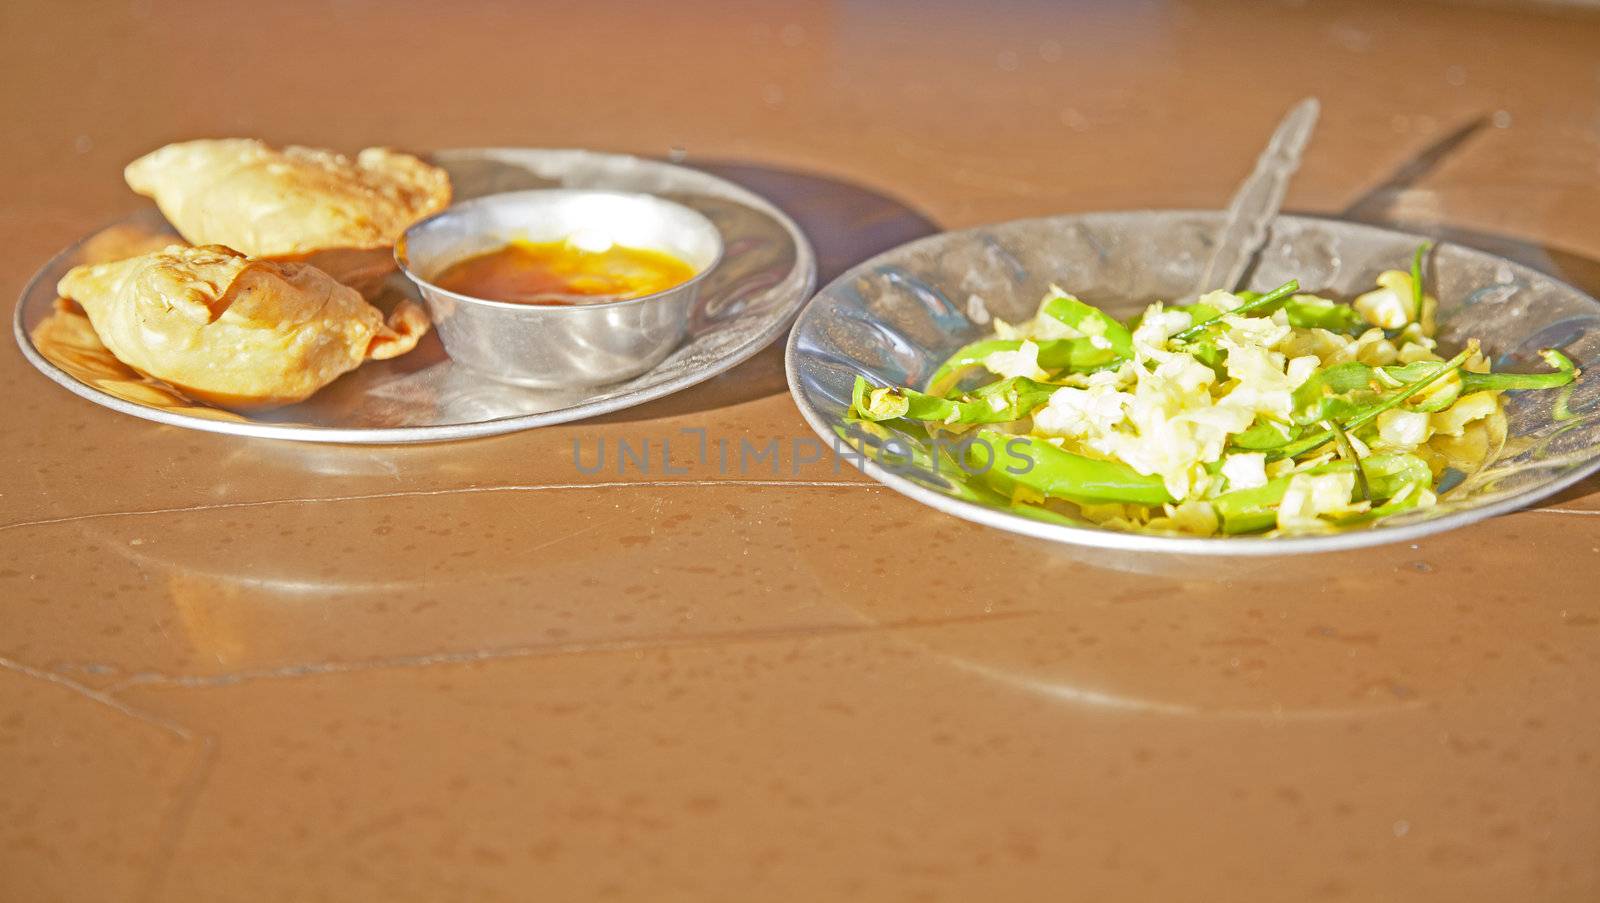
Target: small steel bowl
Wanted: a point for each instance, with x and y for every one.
(553, 345)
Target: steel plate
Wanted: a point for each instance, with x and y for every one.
(896, 317)
(765, 275)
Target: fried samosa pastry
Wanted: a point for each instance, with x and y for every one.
(239, 333)
(299, 203)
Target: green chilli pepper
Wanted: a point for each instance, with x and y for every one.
(1370, 413)
(1565, 372)
(1340, 391)
(1105, 343)
(1418, 296)
(1387, 476)
(1264, 435)
(1259, 303)
(1009, 461)
(1347, 390)
(1343, 390)
(1391, 476)
(1001, 402)
(1198, 312)
(1347, 451)
(1391, 473)
(1304, 312)
(1311, 312)
(1055, 355)
(1255, 509)
(1093, 323)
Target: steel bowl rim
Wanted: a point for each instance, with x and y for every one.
(1095, 537)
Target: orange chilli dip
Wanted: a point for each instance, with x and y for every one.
(561, 272)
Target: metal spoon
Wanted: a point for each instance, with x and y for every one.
(1258, 199)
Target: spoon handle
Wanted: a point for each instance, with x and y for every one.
(1258, 198)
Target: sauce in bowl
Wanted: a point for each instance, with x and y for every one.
(563, 272)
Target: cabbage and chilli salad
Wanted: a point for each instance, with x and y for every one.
(1241, 413)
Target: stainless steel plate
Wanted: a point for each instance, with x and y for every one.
(896, 317)
(765, 275)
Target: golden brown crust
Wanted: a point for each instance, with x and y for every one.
(402, 330)
(237, 332)
(288, 203)
(67, 339)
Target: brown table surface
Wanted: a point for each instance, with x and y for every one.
(248, 670)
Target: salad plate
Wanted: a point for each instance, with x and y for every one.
(893, 321)
(745, 302)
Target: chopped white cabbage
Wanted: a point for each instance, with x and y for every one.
(1022, 362)
(1390, 304)
(1452, 420)
(1082, 413)
(1310, 496)
(1245, 470)
(1403, 429)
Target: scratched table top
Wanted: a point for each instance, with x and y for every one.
(615, 659)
